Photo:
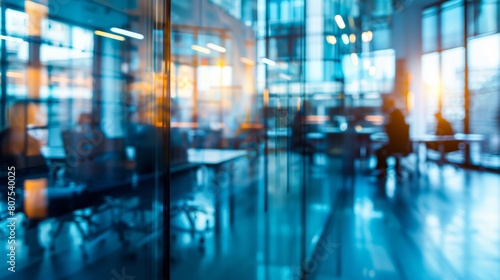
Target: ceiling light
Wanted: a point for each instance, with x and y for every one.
(200, 49)
(366, 36)
(15, 74)
(216, 47)
(109, 35)
(345, 39)
(268, 61)
(127, 33)
(247, 61)
(12, 39)
(340, 22)
(331, 39)
(352, 38)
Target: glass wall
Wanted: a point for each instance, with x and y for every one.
(83, 148)
(219, 134)
(268, 90)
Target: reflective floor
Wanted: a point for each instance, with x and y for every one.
(441, 225)
(444, 224)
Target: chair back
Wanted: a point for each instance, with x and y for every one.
(399, 138)
(90, 156)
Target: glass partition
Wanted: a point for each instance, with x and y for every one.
(83, 149)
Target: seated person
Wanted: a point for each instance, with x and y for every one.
(398, 132)
(17, 147)
(444, 128)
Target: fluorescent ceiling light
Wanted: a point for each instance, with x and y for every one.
(345, 39)
(12, 39)
(216, 47)
(268, 61)
(127, 33)
(200, 49)
(340, 21)
(247, 61)
(15, 74)
(109, 35)
(331, 39)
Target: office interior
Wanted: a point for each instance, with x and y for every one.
(238, 139)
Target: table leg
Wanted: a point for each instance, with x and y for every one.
(231, 196)
(417, 153)
(467, 154)
(217, 215)
(441, 153)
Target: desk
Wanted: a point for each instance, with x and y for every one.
(360, 136)
(381, 137)
(215, 159)
(53, 153)
(212, 158)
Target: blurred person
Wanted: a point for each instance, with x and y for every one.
(17, 147)
(444, 128)
(398, 133)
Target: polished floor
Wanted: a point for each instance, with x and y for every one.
(443, 224)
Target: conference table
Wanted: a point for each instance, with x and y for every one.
(214, 159)
(220, 161)
(423, 140)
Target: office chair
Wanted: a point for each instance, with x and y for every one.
(183, 202)
(404, 149)
(94, 160)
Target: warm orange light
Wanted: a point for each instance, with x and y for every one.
(375, 119)
(251, 126)
(317, 119)
(247, 61)
(410, 101)
(184, 124)
(109, 35)
(35, 198)
(266, 97)
(352, 38)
